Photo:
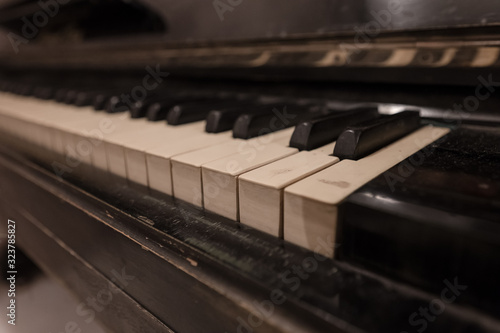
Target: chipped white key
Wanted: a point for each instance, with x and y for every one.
(311, 205)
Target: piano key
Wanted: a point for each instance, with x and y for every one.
(110, 155)
(186, 168)
(44, 92)
(116, 104)
(254, 124)
(106, 126)
(158, 110)
(100, 100)
(85, 98)
(365, 138)
(70, 97)
(47, 115)
(140, 108)
(311, 205)
(71, 125)
(135, 150)
(223, 119)
(158, 159)
(220, 177)
(261, 190)
(314, 133)
(194, 111)
(26, 89)
(60, 94)
(113, 143)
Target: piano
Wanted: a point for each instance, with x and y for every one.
(255, 166)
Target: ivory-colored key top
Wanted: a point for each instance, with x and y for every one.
(114, 143)
(186, 168)
(135, 150)
(261, 190)
(220, 178)
(311, 205)
(39, 118)
(75, 133)
(158, 158)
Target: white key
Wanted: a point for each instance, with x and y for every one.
(114, 142)
(186, 168)
(67, 130)
(310, 205)
(37, 119)
(135, 151)
(158, 158)
(261, 190)
(220, 177)
(73, 130)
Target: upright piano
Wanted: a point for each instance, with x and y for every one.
(256, 166)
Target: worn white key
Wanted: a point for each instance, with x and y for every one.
(220, 177)
(70, 129)
(311, 205)
(186, 168)
(261, 190)
(74, 130)
(158, 158)
(39, 118)
(135, 150)
(139, 137)
(113, 144)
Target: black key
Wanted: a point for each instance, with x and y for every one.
(116, 104)
(365, 138)
(101, 100)
(158, 111)
(16, 88)
(318, 132)
(26, 90)
(195, 111)
(3, 85)
(85, 98)
(223, 119)
(274, 119)
(70, 97)
(139, 109)
(60, 94)
(96, 98)
(44, 92)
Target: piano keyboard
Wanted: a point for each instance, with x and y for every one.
(280, 167)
